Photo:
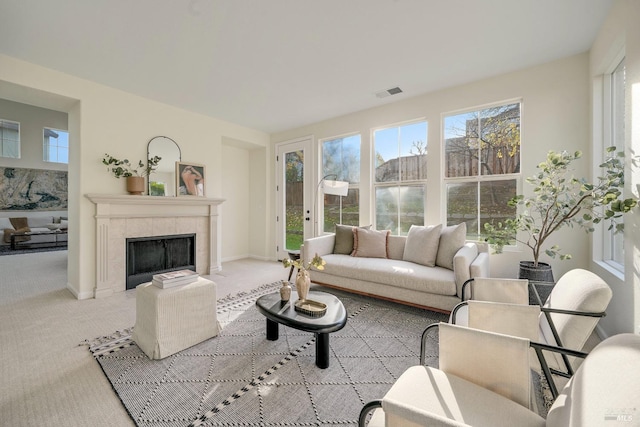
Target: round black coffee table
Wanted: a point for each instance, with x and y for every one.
(280, 312)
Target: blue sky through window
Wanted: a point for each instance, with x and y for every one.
(58, 147)
(396, 142)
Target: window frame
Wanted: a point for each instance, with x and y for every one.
(45, 151)
(19, 141)
(397, 183)
(607, 246)
(352, 186)
(478, 178)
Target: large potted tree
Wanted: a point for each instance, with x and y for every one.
(560, 200)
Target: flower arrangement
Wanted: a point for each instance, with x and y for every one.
(123, 168)
(316, 262)
(303, 280)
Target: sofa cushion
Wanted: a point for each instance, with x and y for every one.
(452, 238)
(39, 222)
(395, 273)
(344, 239)
(370, 243)
(5, 224)
(64, 224)
(395, 246)
(422, 244)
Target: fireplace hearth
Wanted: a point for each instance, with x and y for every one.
(147, 256)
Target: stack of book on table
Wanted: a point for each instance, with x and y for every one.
(174, 278)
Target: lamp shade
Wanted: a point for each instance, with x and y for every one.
(336, 188)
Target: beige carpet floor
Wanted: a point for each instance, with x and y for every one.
(46, 377)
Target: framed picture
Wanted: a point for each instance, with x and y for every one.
(190, 179)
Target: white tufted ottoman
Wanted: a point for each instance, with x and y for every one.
(170, 320)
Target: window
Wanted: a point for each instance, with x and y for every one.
(400, 165)
(481, 166)
(9, 139)
(341, 160)
(614, 242)
(56, 146)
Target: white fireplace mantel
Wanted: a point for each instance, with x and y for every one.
(119, 217)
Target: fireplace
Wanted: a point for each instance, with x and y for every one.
(147, 256)
(120, 217)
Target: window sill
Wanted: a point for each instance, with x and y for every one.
(613, 268)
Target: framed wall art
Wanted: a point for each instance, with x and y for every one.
(190, 178)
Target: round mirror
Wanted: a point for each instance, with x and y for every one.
(162, 181)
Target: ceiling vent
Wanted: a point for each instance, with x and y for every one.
(388, 92)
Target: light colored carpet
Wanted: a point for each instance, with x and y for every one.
(47, 378)
(239, 378)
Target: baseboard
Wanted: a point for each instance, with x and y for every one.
(234, 258)
(238, 257)
(81, 295)
(261, 258)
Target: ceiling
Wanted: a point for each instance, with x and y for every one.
(273, 65)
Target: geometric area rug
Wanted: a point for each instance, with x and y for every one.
(239, 378)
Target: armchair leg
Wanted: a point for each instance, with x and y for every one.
(368, 407)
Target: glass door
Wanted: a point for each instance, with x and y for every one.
(294, 216)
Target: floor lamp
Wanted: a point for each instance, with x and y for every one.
(332, 187)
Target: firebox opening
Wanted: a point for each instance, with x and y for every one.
(147, 256)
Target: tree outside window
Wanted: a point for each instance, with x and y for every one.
(400, 177)
(341, 161)
(482, 166)
(294, 199)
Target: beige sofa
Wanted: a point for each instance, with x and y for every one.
(404, 273)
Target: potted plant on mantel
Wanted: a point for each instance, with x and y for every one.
(135, 176)
(560, 200)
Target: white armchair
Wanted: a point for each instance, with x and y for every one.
(566, 319)
(481, 386)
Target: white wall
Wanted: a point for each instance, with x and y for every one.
(102, 119)
(555, 115)
(621, 33)
(32, 121)
(261, 232)
(237, 205)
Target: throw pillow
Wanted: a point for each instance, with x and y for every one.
(370, 243)
(422, 244)
(452, 238)
(64, 224)
(344, 239)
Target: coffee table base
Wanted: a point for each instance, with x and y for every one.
(322, 343)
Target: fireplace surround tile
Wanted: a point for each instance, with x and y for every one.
(164, 226)
(119, 217)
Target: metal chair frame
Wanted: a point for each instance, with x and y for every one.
(538, 348)
(547, 312)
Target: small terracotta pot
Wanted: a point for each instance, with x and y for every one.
(135, 185)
